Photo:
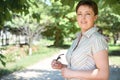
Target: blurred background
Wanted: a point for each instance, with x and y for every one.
(31, 30)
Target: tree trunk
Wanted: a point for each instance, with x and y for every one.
(30, 51)
(115, 38)
(2, 40)
(58, 38)
(30, 48)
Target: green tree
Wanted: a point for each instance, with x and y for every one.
(61, 24)
(108, 15)
(7, 7)
(109, 22)
(113, 4)
(2, 57)
(29, 24)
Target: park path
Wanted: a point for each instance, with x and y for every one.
(43, 71)
(39, 71)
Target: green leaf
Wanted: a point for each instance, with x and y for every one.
(3, 63)
(1, 59)
(2, 56)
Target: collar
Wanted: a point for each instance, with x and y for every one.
(89, 32)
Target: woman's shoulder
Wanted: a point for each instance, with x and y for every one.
(97, 35)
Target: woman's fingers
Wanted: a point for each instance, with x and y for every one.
(56, 64)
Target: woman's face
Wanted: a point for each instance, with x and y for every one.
(85, 17)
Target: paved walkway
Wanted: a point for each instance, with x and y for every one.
(39, 71)
(43, 71)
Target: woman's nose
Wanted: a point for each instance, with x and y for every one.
(83, 16)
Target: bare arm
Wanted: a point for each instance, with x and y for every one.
(101, 73)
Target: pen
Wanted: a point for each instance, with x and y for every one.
(59, 57)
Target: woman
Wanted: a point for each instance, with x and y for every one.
(88, 56)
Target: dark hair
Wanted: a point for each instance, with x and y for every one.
(89, 3)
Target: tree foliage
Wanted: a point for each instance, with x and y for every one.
(109, 22)
(113, 4)
(61, 24)
(2, 57)
(109, 14)
(29, 24)
(59, 17)
(8, 7)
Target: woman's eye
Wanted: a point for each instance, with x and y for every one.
(88, 14)
(79, 14)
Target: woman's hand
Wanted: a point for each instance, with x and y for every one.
(56, 64)
(67, 73)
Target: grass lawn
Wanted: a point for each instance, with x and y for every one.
(114, 54)
(114, 60)
(17, 59)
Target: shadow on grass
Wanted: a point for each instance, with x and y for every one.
(61, 47)
(4, 72)
(114, 53)
(34, 74)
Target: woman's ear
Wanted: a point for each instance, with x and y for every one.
(96, 16)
